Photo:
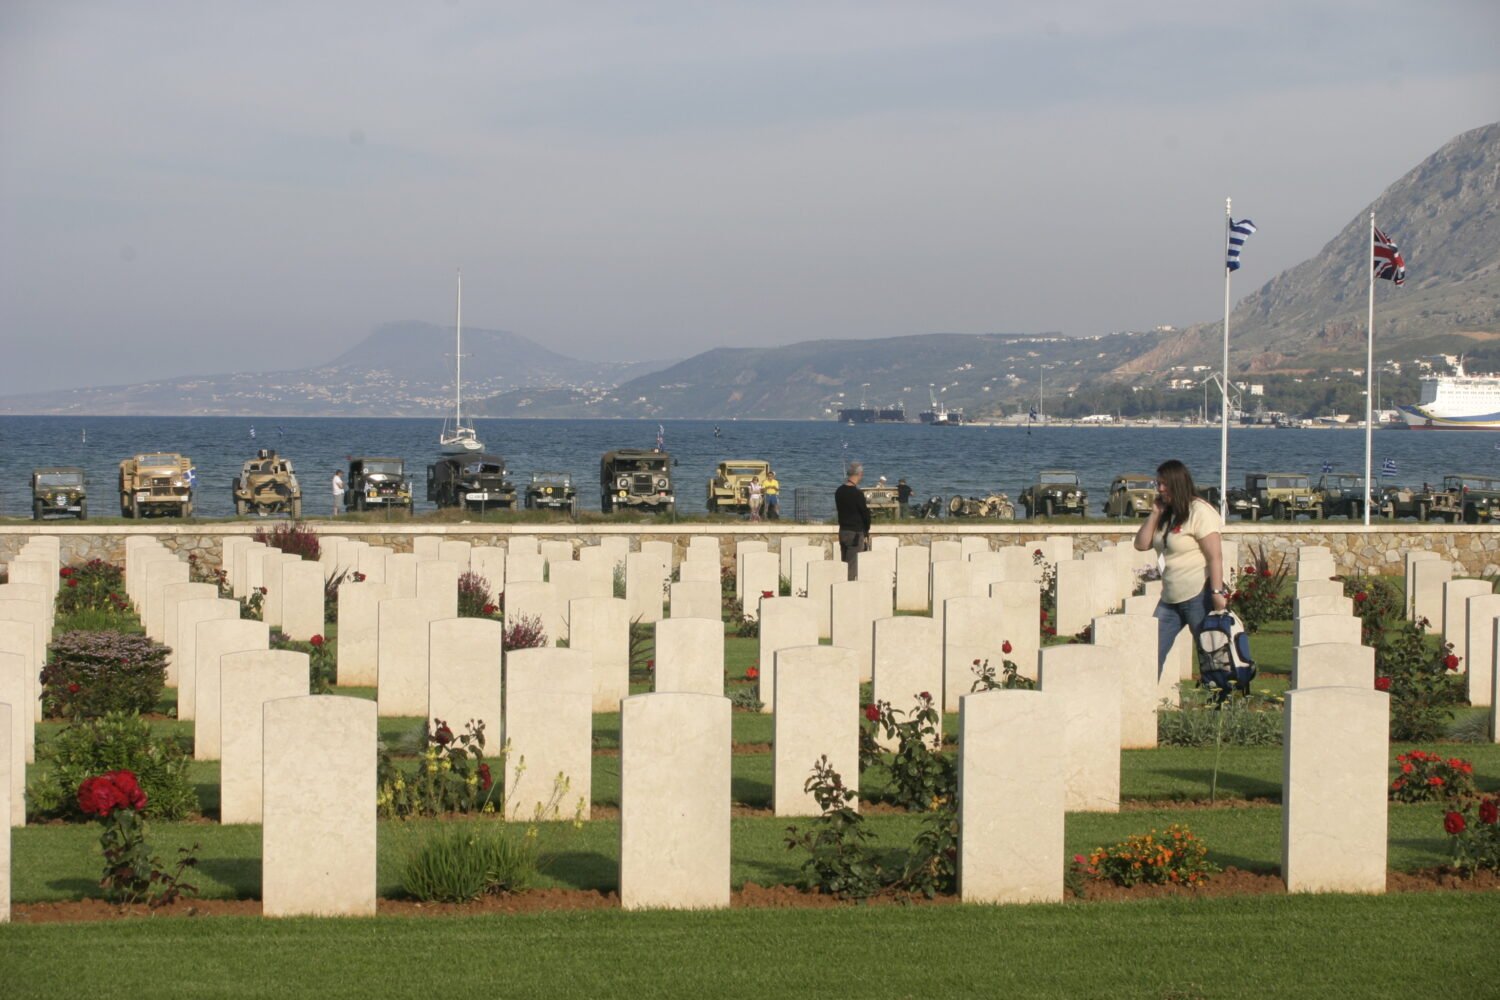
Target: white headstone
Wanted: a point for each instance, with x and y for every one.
(817, 698)
(1456, 594)
(1427, 579)
(463, 676)
(1131, 641)
(1333, 664)
(601, 628)
(14, 693)
(536, 601)
(358, 648)
(786, 623)
(1315, 629)
(1412, 556)
(1073, 598)
(762, 576)
(971, 631)
(548, 725)
(216, 639)
(908, 663)
(302, 597)
(913, 571)
(1480, 632)
(689, 656)
(1085, 682)
(189, 615)
(401, 574)
(645, 585)
(821, 577)
(696, 599)
(402, 657)
(488, 563)
(246, 682)
(857, 605)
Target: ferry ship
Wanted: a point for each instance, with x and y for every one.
(1456, 402)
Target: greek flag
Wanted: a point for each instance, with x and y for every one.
(1238, 233)
(1032, 414)
(1388, 467)
(252, 432)
(661, 434)
(1327, 468)
(192, 477)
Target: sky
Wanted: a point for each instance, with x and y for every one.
(199, 187)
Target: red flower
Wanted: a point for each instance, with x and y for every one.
(1249, 568)
(1006, 647)
(751, 673)
(925, 696)
(1382, 684)
(72, 583)
(264, 591)
(650, 664)
(359, 577)
(976, 661)
(1266, 573)
(1451, 661)
(485, 781)
(1044, 614)
(129, 788)
(317, 641)
(74, 688)
(489, 609)
(1397, 785)
(65, 572)
(1489, 812)
(1454, 823)
(872, 712)
(1035, 553)
(1435, 781)
(99, 797)
(1361, 597)
(1406, 768)
(443, 736)
(766, 593)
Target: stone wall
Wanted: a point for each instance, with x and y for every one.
(1378, 549)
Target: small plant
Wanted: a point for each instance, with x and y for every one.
(1204, 721)
(617, 589)
(331, 594)
(1420, 677)
(253, 608)
(1048, 588)
(1429, 777)
(744, 699)
(1473, 826)
(1179, 858)
(1260, 593)
(200, 572)
(921, 777)
(92, 673)
(456, 864)
(642, 642)
(322, 659)
(1376, 601)
(474, 599)
(95, 586)
(132, 874)
(525, 632)
(1009, 678)
(295, 539)
(840, 861)
(452, 776)
(116, 742)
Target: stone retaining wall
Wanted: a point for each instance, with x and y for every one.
(1379, 549)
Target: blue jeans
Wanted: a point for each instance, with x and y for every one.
(1170, 619)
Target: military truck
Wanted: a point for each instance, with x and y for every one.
(1056, 491)
(1343, 494)
(884, 502)
(1284, 495)
(992, 505)
(729, 489)
(1478, 497)
(377, 482)
(157, 484)
(59, 491)
(267, 484)
(634, 478)
(1131, 496)
(552, 491)
(473, 482)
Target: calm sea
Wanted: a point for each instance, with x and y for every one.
(935, 460)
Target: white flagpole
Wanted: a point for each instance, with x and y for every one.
(1369, 366)
(1224, 381)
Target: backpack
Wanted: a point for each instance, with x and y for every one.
(1225, 646)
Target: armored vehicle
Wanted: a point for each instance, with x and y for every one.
(883, 501)
(1132, 496)
(729, 489)
(636, 478)
(157, 484)
(377, 482)
(1056, 491)
(1478, 496)
(1343, 494)
(993, 505)
(552, 491)
(1284, 495)
(59, 491)
(267, 485)
(473, 482)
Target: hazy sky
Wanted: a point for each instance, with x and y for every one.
(207, 186)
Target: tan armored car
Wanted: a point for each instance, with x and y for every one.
(729, 489)
(157, 484)
(267, 485)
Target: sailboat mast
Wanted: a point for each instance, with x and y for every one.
(458, 373)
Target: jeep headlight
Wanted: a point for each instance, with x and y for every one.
(661, 484)
(547, 490)
(622, 494)
(623, 482)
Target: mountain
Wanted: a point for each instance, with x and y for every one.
(982, 373)
(400, 369)
(1444, 215)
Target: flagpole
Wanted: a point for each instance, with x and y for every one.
(1369, 367)
(1224, 384)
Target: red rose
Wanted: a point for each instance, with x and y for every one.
(872, 712)
(489, 609)
(925, 696)
(264, 591)
(1006, 647)
(1382, 684)
(1454, 823)
(1489, 812)
(99, 797)
(1044, 614)
(1265, 573)
(65, 572)
(317, 641)
(1249, 568)
(1435, 781)
(766, 593)
(1035, 553)
(443, 736)
(1451, 661)
(1406, 768)
(359, 577)
(1361, 597)
(976, 661)
(72, 583)
(1397, 785)
(751, 673)
(73, 688)
(650, 664)
(485, 781)
(129, 788)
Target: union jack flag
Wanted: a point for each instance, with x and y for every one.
(1388, 262)
(1238, 232)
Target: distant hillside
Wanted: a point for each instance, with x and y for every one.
(1444, 215)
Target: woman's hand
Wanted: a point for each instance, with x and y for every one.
(1218, 602)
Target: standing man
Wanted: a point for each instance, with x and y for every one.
(338, 491)
(903, 498)
(854, 519)
(772, 490)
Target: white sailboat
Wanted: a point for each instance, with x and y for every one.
(459, 439)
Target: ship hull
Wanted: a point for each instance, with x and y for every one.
(1423, 418)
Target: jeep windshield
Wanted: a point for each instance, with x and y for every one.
(744, 470)
(383, 468)
(1058, 479)
(484, 469)
(1475, 483)
(1137, 484)
(551, 478)
(1287, 483)
(157, 460)
(640, 465)
(60, 479)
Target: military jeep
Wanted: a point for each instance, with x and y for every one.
(729, 489)
(1131, 496)
(993, 505)
(473, 482)
(1478, 496)
(1284, 495)
(1056, 491)
(884, 502)
(377, 482)
(552, 491)
(267, 484)
(636, 478)
(1343, 494)
(157, 484)
(1400, 501)
(59, 491)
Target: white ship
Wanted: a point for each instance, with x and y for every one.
(1456, 402)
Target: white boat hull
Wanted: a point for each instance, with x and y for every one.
(1422, 418)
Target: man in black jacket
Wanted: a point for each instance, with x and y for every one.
(854, 518)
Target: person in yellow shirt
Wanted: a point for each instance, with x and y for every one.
(771, 492)
(1185, 531)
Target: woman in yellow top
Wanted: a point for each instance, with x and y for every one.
(1184, 529)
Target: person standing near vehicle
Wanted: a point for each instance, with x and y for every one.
(755, 497)
(338, 491)
(854, 518)
(1185, 530)
(772, 490)
(903, 498)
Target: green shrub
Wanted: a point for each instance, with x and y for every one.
(1247, 722)
(95, 586)
(457, 863)
(99, 620)
(295, 539)
(116, 742)
(92, 673)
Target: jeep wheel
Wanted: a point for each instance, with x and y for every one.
(1047, 507)
(1423, 512)
(1471, 514)
(241, 508)
(297, 509)
(83, 510)
(1279, 511)
(36, 510)
(604, 504)
(1356, 511)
